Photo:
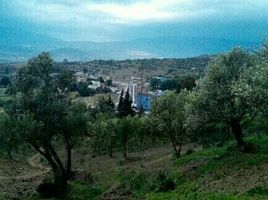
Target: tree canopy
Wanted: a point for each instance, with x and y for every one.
(43, 113)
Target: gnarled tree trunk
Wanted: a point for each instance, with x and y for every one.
(60, 178)
(125, 150)
(173, 140)
(69, 159)
(237, 131)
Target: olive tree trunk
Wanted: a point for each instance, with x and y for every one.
(237, 131)
(68, 165)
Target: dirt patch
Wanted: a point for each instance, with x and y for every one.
(241, 181)
(19, 180)
(117, 194)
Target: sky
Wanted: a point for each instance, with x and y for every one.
(122, 20)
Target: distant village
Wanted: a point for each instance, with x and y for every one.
(140, 90)
(143, 78)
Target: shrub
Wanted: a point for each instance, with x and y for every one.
(105, 90)
(190, 151)
(47, 190)
(82, 176)
(250, 148)
(136, 182)
(258, 191)
(165, 183)
(84, 91)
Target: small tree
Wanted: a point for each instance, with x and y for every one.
(73, 127)
(85, 70)
(84, 90)
(9, 140)
(155, 83)
(168, 85)
(66, 81)
(105, 105)
(109, 82)
(111, 136)
(125, 105)
(103, 134)
(120, 103)
(126, 130)
(187, 82)
(168, 111)
(101, 80)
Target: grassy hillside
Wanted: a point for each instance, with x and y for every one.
(221, 173)
(214, 173)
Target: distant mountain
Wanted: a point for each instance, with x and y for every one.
(18, 45)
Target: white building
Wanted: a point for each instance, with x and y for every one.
(95, 85)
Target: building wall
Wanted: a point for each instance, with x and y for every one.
(144, 101)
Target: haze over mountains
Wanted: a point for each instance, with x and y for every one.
(18, 45)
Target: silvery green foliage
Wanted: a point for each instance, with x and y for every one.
(168, 113)
(252, 89)
(234, 88)
(219, 93)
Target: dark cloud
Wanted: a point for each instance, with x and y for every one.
(101, 20)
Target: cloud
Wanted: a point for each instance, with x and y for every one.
(141, 12)
(140, 54)
(79, 12)
(113, 19)
(83, 12)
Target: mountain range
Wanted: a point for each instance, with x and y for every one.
(18, 46)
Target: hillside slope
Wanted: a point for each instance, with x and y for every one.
(215, 173)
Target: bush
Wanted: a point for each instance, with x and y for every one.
(47, 190)
(105, 90)
(165, 183)
(136, 182)
(84, 91)
(82, 176)
(258, 191)
(190, 151)
(2, 102)
(250, 148)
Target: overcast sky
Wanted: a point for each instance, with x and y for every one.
(103, 20)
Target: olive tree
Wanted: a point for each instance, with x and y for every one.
(126, 130)
(168, 112)
(103, 130)
(228, 92)
(9, 140)
(43, 113)
(253, 85)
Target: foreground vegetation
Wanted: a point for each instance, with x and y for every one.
(209, 173)
(216, 127)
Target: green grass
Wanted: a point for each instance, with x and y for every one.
(219, 164)
(200, 196)
(77, 191)
(215, 173)
(258, 191)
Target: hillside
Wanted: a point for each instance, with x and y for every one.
(123, 70)
(213, 173)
